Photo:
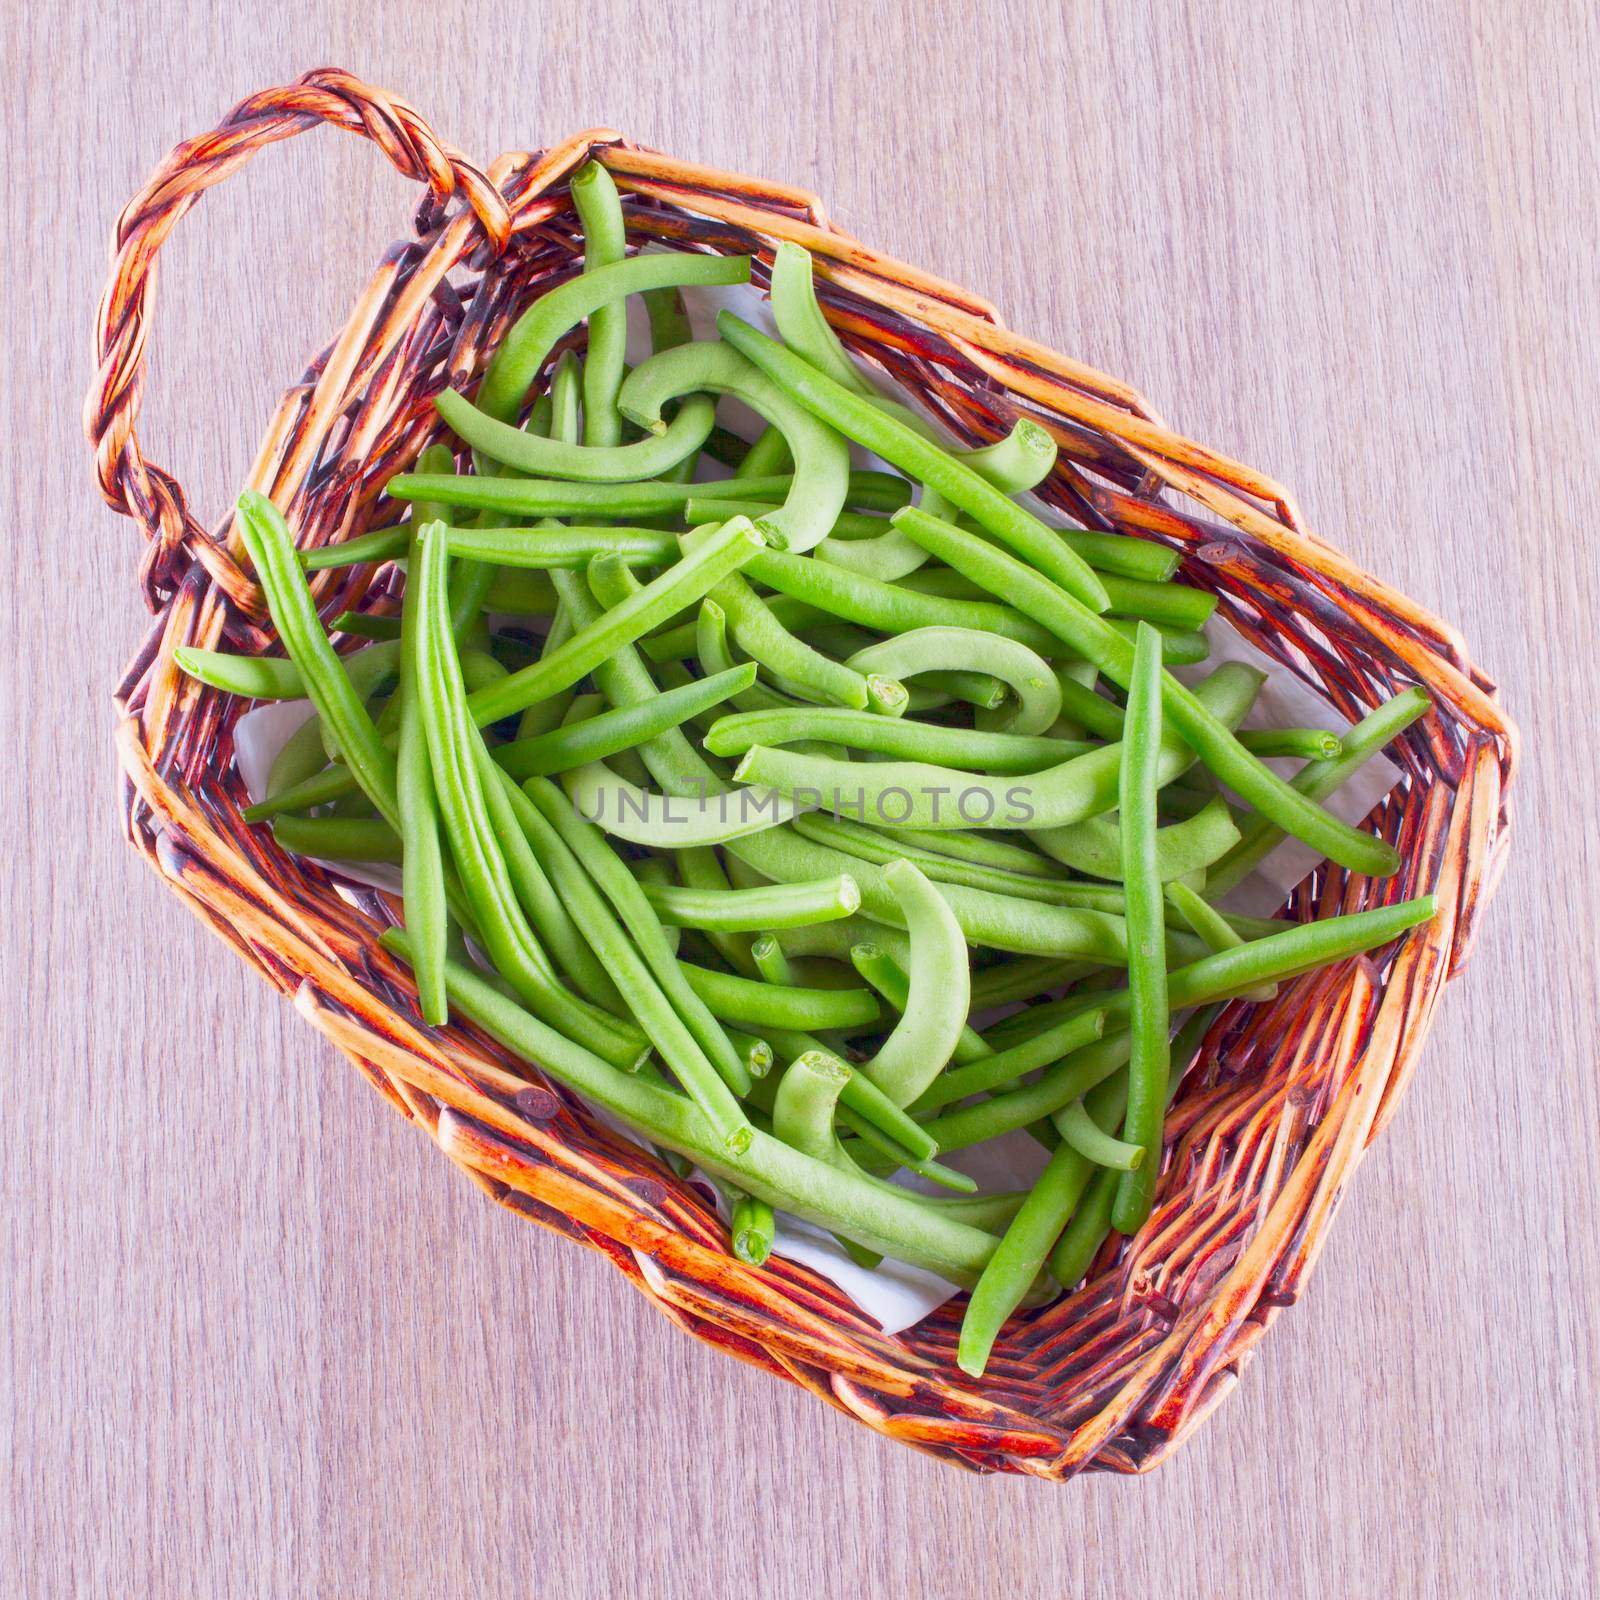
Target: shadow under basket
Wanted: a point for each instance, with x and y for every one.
(1283, 1099)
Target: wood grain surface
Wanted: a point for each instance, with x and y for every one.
(255, 1339)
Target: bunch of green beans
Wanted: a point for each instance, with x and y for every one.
(788, 783)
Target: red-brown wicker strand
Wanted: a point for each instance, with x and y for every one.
(1285, 1098)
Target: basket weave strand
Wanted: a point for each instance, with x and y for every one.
(1285, 1097)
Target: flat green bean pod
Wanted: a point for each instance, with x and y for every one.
(1094, 847)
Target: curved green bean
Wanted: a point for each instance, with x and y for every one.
(1079, 1131)
(822, 463)
(930, 1024)
(1093, 847)
(520, 354)
(940, 649)
(585, 463)
(891, 980)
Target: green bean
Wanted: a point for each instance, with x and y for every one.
(1002, 1068)
(935, 1012)
(711, 645)
(594, 197)
(1093, 712)
(520, 593)
(558, 546)
(453, 748)
(777, 905)
(801, 324)
(893, 982)
(670, 822)
(760, 635)
(299, 760)
(891, 1157)
(903, 447)
(887, 607)
(338, 838)
(803, 1111)
(766, 1005)
(366, 626)
(1002, 922)
(1090, 1226)
(547, 497)
(586, 463)
(771, 962)
(767, 456)
(1212, 926)
(942, 648)
(1122, 554)
(997, 753)
(750, 1230)
(1071, 1076)
(977, 689)
(669, 320)
(1082, 1133)
(701, 870)
(820, 485)
(382, 544)
(1147, 969)
(1008, 981)
(294, 613)
(682, 584)
(1098, 642)
(1305, 744)
(1093, 847)
(534, 335)
(596, 737)
(1171, 603)
(756, 1053)
(514, 823)
(706, 508)
(894, 1222)
(422, 856)
(1260, 834)
(568, 844)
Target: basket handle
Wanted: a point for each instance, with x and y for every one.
(138, 488)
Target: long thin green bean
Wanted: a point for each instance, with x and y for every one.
(762, 1005)
(777, 905)
(595, 199)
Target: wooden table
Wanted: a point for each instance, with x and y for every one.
(257, 1342)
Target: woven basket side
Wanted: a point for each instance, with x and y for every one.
(1285, 1097)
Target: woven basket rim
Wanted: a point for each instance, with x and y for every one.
(352, 422)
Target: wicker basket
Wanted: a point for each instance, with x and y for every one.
(1285, 1098)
